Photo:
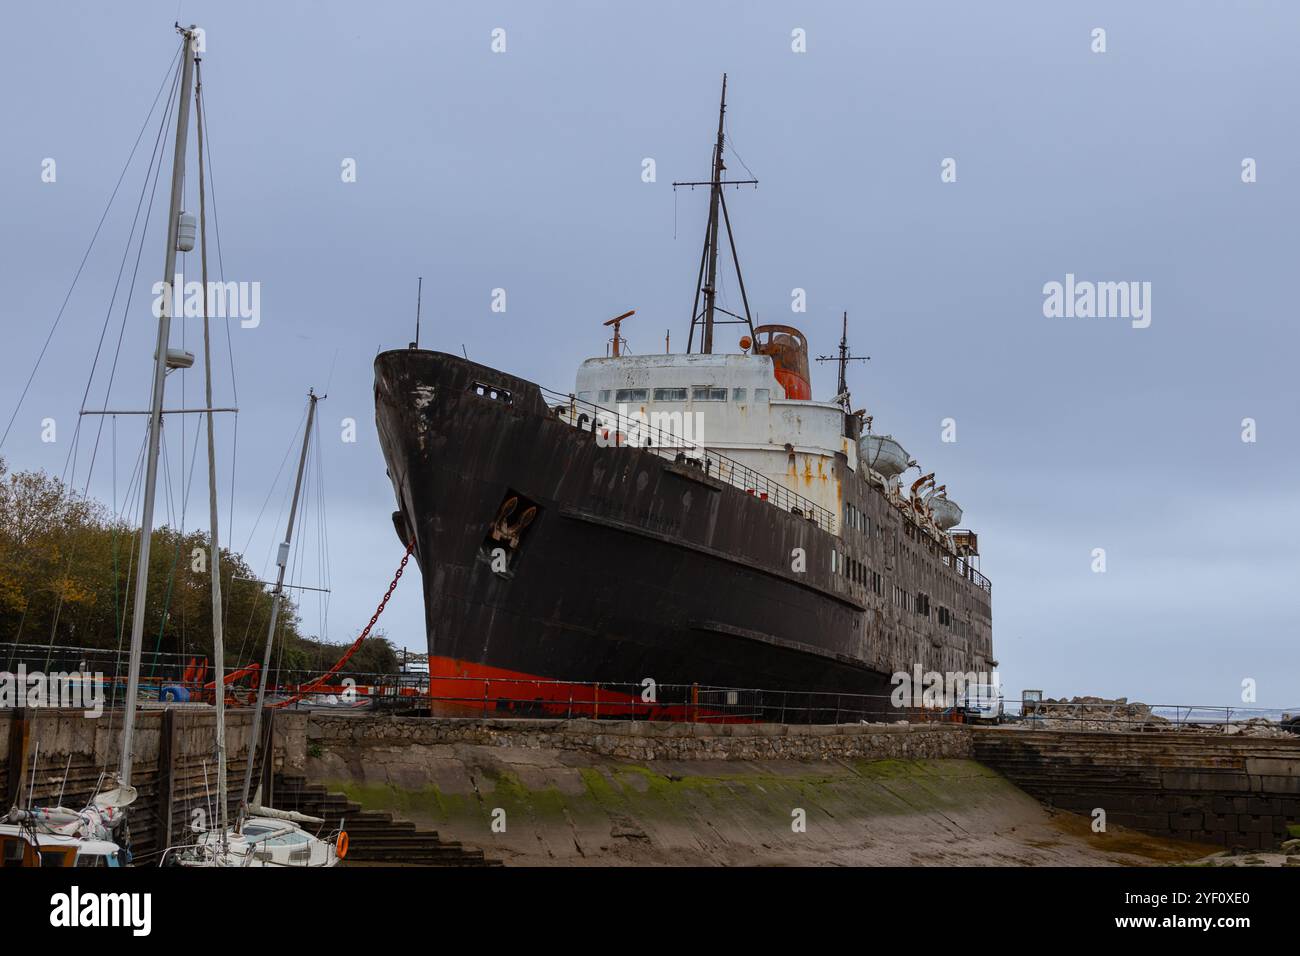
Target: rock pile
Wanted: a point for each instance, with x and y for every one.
(1095, 713)
(1119, 714)
(1254, 727)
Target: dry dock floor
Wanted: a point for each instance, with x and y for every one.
(570, 808)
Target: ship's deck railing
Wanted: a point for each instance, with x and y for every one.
(633, 431)
(638, 700)
(966, 570)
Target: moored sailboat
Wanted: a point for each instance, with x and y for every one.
(265, 836)
(56, 834)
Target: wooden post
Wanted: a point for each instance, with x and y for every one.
(20, 731)
(166, 778)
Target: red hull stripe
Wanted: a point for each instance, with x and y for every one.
(465, 686)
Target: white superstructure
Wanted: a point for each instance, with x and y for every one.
(732, 404)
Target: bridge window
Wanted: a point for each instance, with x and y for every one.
(584, 396)
(738, 394)
(761, 394)
(630, 395)
(670, 394)
(707, 393)
(604, 395)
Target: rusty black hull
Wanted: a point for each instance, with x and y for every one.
(635, 567)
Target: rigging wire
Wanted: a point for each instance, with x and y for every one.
(69, 466)
(230, 349)
(130, 497)
(323, 534)
(85, 256)
(135, 273)
(732, 143)
(252, 607)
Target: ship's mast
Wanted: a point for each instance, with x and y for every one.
(160, 367)
(843, 360)
(715, 201)
(843, 384)
(214, 559)
(707, 281)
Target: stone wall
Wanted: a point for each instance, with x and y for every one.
(642, 740)
(1227, 790)
(47, 752)
(1233, 791)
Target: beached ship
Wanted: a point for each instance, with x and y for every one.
(685, 519)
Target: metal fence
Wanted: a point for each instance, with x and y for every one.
(421, 694)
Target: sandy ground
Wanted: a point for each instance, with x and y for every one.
(562, 808)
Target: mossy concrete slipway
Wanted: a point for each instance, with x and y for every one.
(552, 806)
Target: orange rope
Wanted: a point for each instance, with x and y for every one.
(304, 691)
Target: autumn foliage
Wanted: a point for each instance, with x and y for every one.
(67, 577)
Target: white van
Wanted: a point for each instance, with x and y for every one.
(982, 702)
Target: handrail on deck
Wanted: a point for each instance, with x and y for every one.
(667, 445)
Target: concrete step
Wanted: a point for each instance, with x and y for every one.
(374, 836)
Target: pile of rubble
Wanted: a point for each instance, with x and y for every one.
(1094, 713)
(1118, 714)
(1254, 727)
(1288, 854)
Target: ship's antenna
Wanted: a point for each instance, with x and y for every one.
(844, 358)
(707, 281)
(419, 290)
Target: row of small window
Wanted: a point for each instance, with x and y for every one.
(921, 605)
(700, 393)
(855, 518)
(857, 572)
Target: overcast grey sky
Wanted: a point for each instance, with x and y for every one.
(522, 170)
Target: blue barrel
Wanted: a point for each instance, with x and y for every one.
(174, 693)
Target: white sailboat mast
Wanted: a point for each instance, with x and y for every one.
(277, 596)
(214, 558)
(155, 414)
